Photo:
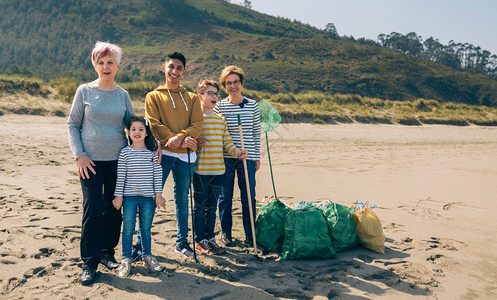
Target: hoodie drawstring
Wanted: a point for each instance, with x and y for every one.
(172, 100)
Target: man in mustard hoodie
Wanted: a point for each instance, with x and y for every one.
(176, 120)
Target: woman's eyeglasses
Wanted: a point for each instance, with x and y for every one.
(236, 82)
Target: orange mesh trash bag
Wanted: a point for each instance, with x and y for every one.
(368, 229)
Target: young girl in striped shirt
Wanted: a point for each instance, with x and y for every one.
(209, 168)
(139, 181)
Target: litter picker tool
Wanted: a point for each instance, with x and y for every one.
(270, 119)
(247, 187)
(191, 204)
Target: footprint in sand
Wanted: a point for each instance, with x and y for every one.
(388, 277)
(287, 293)
(449, 205)
(444, 243)
(12, 283)
(37, 219)
(440, 260)
(44, 252)
(53, 162)
(416, 275)
(393, 227)
(7, 262)
(38, 272)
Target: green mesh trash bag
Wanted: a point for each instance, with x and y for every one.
(269, 226)
(340, 220)
(306, 234)
(270, 119)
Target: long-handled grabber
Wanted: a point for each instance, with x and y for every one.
(247, 185)
(191, 204)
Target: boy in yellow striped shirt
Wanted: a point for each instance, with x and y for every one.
(209, 168)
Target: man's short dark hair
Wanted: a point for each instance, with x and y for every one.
(177, 55)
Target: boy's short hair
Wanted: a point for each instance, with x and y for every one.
(176, 55)
(203, 84)
(231, 70)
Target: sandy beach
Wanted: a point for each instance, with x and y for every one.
(434, 187)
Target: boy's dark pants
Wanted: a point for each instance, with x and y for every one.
(101, 224)
(207, 189)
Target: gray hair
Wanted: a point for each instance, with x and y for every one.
(103, 48)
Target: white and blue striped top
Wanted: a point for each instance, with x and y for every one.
(138, 173)
(251, 125)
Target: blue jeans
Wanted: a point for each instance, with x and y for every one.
(235, 165)
(145, 206)
(181, 188)
(207, 189)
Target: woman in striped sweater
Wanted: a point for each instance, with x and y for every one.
(232, 78)
(209, 168)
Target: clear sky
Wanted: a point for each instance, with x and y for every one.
(464, 21)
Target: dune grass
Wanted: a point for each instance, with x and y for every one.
(33, 96)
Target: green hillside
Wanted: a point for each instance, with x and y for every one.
(52, 39)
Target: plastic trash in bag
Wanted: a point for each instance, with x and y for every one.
(340, 220)
(269, 226)
(306, 234)
(368, 228)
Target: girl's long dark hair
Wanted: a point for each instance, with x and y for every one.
(150, 142)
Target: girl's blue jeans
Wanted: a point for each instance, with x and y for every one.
(145, 208)
(181, 178)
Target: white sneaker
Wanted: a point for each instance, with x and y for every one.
(152, 263)
(124, 268)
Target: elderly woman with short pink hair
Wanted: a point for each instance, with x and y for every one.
(99, 113)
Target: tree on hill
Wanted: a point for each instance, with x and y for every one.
(459, 56)
(331, 30)
(247, 3)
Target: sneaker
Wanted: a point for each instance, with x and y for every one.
(226, 240)
(124, 268)
(184, 248)
(152, 263)
(204, 247)
(215, 247)
(136, 252)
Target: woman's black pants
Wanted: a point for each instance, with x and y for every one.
(101, 226)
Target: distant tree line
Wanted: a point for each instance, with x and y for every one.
(460, 56)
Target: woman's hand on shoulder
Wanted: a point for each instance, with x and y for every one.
(84, 164)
